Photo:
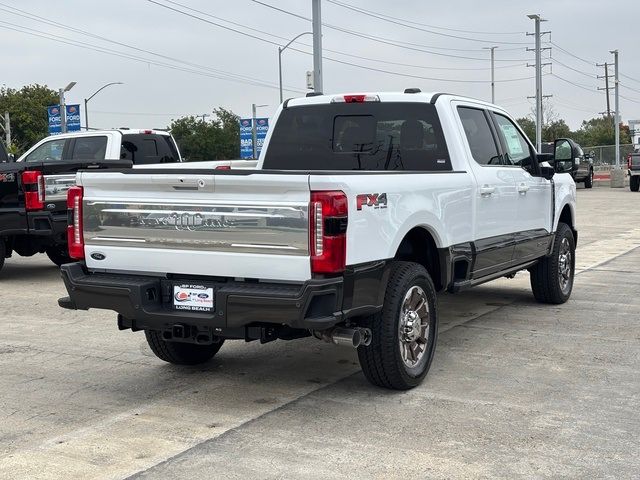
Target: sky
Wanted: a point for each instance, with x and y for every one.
(220, 53)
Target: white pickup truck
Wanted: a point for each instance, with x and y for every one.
(361, 208)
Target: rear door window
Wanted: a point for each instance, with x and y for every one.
(482, 143)
(89, 148)
(360, 136)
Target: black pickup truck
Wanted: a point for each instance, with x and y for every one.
(33, 190)
(570, 158)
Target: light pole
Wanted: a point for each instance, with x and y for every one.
(86, 100)
(254, 107)
(282, 49)
(493, 77)
(63, 108)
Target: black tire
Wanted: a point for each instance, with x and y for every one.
(59, 256)
(588, 183)
(634, 183)
(382, 361)
(180, 353)
(546, 276)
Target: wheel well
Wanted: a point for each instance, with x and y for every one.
(419, 246)
(567, 217)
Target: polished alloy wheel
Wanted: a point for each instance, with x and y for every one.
(413, 327)
(565, 265)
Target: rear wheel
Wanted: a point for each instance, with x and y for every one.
(634, 183)
(404, 332)
(180, 353)
(588, 183)
(552, 277)
(58, 255)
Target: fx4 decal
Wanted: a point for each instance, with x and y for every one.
(375, 200)
(7, 177)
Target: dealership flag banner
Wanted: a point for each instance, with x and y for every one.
(262, 127)
(55, 119)
(246, 139)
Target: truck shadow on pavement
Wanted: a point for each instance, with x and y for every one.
(17, 270)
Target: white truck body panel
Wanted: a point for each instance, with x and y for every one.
(454, 207)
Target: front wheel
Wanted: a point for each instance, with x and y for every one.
(404, 332)
(552, 277)
(588, 183)
(180, 353)
(634, 183)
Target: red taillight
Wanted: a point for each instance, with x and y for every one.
(629, 161)
(328, 231)
(33, 185)
(223, 167)
(75, 237)
(360, 98)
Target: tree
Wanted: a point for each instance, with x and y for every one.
(27, 108)
(600, 131)
(529, 127)
(555, 129)
(199, 140)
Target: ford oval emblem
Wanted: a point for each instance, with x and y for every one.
(51, 206)
(98, 256)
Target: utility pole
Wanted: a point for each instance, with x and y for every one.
(606, 84)
(493, 78)
(317, 45)
(617, 103)
(538, 49)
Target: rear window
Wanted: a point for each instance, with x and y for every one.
(358, 136)
(143, 149)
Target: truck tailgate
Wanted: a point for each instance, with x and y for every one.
(634, 164)
(243, 226)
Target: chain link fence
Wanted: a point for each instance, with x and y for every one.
(604, 156)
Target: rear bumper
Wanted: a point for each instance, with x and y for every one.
(145, 302)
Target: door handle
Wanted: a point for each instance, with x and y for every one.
(487, 191)
(523, 188)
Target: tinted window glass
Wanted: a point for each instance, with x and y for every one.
(49, 151)
(481, 142)
(358, 136)
(518, 150)
(148, 148)
(89, 148)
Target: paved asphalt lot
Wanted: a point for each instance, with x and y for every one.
(517, 389)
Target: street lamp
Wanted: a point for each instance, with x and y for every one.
(254, 132)
(86, 100)
(282, 49)
(63, 108)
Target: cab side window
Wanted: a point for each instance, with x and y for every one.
(518, 150)
(90, 148)
(478, 132)
(47, 152)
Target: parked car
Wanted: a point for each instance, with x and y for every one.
(570, 158)
(33, 190)
(360, 209)
(633, 168)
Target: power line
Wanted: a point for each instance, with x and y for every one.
(338, 52)
(351, 64)
(567, 52)
(37, 18)
(556, 61)
(67, 41)
(579, 85)
(431, 26)
(382, 40)
(448, 35)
